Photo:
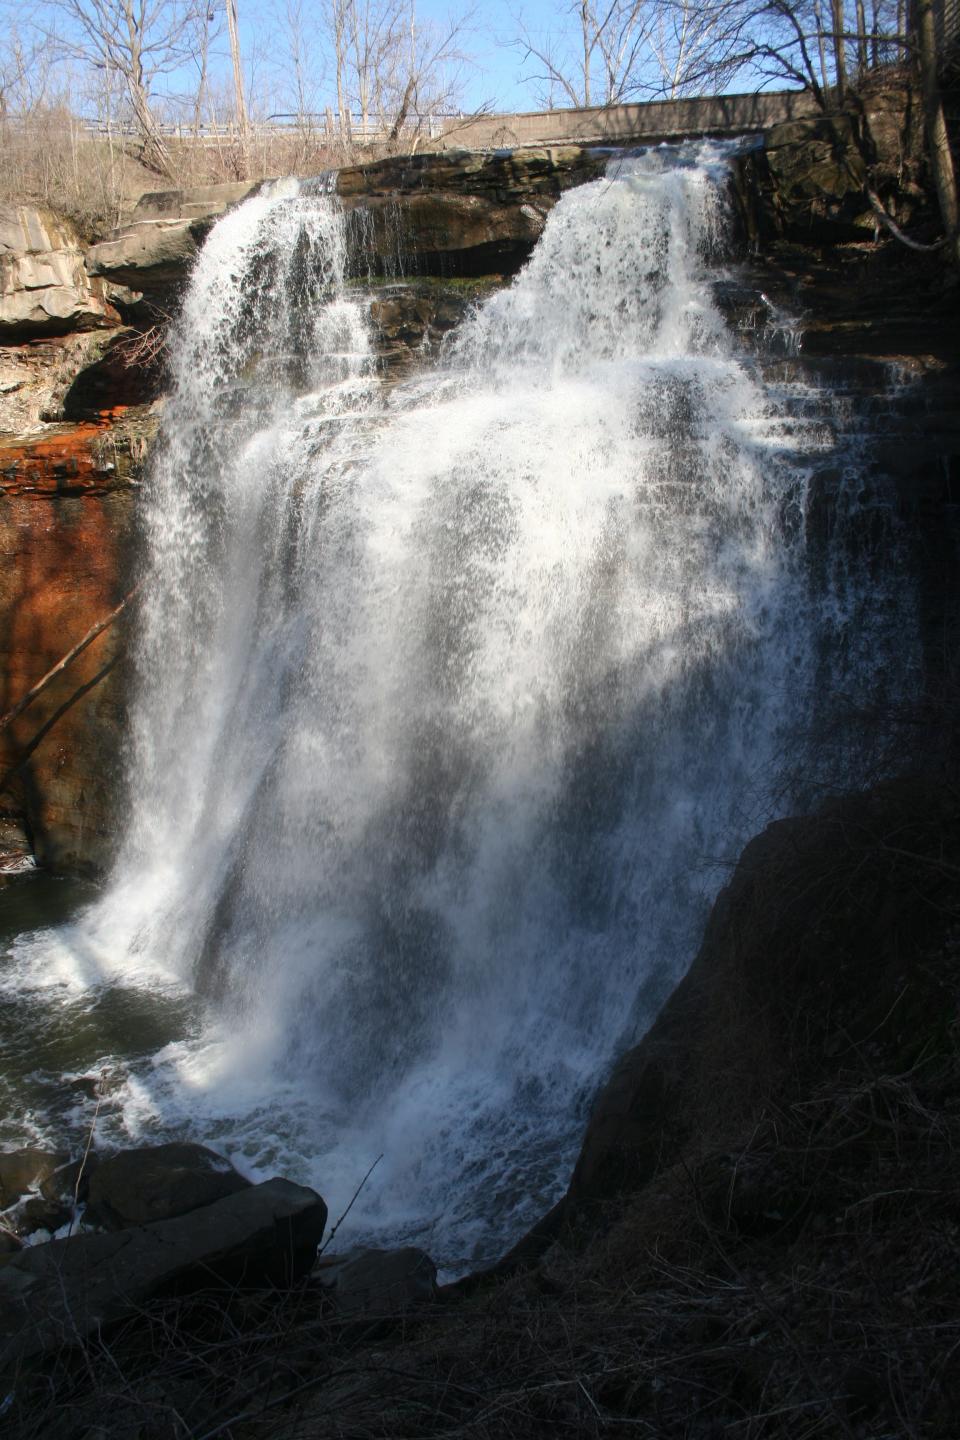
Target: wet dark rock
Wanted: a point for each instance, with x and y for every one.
(379, 1282)
(42, 1214)
(53, 1295)
(10, 1244)
(439, 234)
(504, 176)
(118, 373)
(70, 1181)
(465, 213)
(21, 1170)
(411, 317)
(138, 1187)
(807, 183)
(838, 965)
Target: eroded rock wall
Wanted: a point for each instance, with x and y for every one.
(432, 234)
(67, 532)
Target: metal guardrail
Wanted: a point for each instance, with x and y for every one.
(325, 127)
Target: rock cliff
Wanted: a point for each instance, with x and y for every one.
(67, 529)
(431, 234)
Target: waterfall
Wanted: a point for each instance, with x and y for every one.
(456, 696)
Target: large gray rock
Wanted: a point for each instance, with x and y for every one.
(379, 1282)
(44, 287)
(147, 254)
(21, 1170)
(158, 1182)
(157, 248)
(201, 202)
(53, 1295)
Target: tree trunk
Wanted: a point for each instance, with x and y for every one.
(585, 27)
(838, 53)
(402, 113)
(154, 154)
(938, 140)
(821, 46)
(243, 124)
(861, 39)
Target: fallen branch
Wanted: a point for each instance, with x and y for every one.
(87, 1148)
(70, 656)
(894, 228)
(350, 1206)
(45, 729)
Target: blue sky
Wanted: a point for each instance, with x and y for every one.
(497, 74)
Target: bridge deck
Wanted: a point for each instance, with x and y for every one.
(655, 120)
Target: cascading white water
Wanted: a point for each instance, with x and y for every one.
(453, 695)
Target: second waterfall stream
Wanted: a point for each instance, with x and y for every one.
(455, 699)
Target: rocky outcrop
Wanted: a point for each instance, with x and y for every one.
(45, 289)
(21, 1170)
(67, 529)
(147, 254)
(75, 377)
(460, 213)
(503, 177)
(54, 1295)
(199, 203)
(835, 934)
(159, 1182)
(41, 1190)
(153, 253)
(808, 181)
(379, 1282)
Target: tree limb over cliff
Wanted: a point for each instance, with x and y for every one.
(71, 655)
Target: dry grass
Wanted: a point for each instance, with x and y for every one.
(95, 180)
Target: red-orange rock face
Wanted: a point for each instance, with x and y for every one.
(66, 520)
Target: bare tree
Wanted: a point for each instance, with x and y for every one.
(423, 74)
(393, 70)
(136, 41)
(595, 60)
(938, 139)
(336, 14)
(696, 47)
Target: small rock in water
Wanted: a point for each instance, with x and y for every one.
(71, 1182)
(40, 1214)
(379, 1282)
(20, 1170)
(158, 1182)
(98, 1087)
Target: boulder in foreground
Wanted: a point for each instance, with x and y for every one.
(56, 1294)
(380, 1282)
(159, 1182)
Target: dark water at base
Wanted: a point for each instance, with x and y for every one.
(53, 1042)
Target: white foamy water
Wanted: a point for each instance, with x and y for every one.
(454, 698)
